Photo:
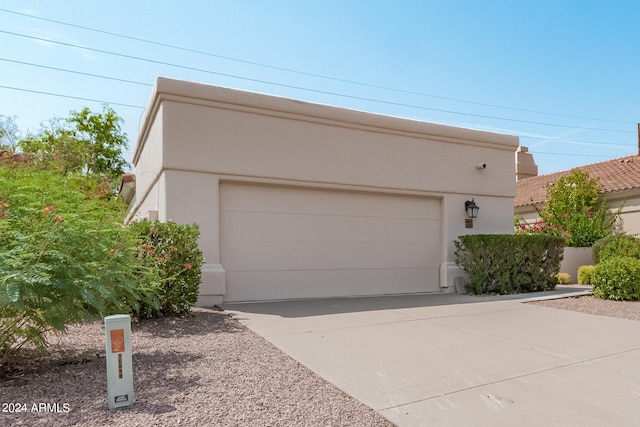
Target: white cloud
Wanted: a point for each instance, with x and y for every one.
(29, 12)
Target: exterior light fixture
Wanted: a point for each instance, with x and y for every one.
(471, 208)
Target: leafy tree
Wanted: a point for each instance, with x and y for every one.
(86, 142)
(573, 205)
(9, 133)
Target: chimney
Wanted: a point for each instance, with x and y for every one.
(525, 165)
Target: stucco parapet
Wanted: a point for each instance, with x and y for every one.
(181, 91)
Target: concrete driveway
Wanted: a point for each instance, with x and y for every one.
(458, 360)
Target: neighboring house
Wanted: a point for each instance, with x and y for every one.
(620, 179)
(301, 200)
(127, 189)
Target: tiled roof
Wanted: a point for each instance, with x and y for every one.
(615, 175)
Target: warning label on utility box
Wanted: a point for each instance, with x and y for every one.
(123, 398)
(117, 340)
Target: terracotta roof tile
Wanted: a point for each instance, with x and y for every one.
(615, 175)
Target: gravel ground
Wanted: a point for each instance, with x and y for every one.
(206, 370)
(592, 305)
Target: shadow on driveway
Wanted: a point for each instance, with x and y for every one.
(327, 306)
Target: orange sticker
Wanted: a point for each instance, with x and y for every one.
(117, 340)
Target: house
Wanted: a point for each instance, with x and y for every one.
(620, 179)
(301, 200)
(127, 188)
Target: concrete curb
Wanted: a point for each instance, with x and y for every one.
(560, 296)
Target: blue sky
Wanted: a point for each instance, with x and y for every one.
(562, 75)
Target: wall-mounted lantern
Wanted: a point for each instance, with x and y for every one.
(471, 208)
(472, 212)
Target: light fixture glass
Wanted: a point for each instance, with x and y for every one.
(471, 208)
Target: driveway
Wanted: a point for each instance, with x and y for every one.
(459, 360)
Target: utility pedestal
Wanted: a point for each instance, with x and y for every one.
(119, 364)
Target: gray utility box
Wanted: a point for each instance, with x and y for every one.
(119, 364)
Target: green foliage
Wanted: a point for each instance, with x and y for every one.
(86, 142)
(617, 278)
(614, 246)
(571, 194)
(585, 275)
(573, 205)
(563, 278)
(505, 263)
(65, 256)
(172, 249)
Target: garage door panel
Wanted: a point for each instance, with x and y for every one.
(256, 286)
(285, 242)
(258, 198)
(266, 256)
(259, 226)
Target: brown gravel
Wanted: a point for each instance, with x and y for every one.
(591, 305)
(206, 370)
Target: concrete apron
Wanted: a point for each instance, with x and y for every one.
(458, 360)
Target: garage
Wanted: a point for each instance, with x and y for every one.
(283, 242)
(301, 200)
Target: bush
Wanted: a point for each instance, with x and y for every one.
(573, 205)
(564, 278)
(617, 279)
(615, 246)
(65, 256)
(171, 249)
(506, 264)
(585, 274)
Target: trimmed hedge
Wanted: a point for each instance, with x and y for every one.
(617, 279)
(505, 264)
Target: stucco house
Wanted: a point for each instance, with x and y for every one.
(301, 200)
(620, 179)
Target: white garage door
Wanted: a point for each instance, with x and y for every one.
(291, 242)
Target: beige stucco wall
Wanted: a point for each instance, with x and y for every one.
(629, 201)
(573, 259)
(194, 136)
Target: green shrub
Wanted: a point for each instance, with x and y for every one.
(573, 205)
(617, 279)
(615, 246)
(585, 274)
(65, 256)
(564, 278)
(171, 249)
(505, 263)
